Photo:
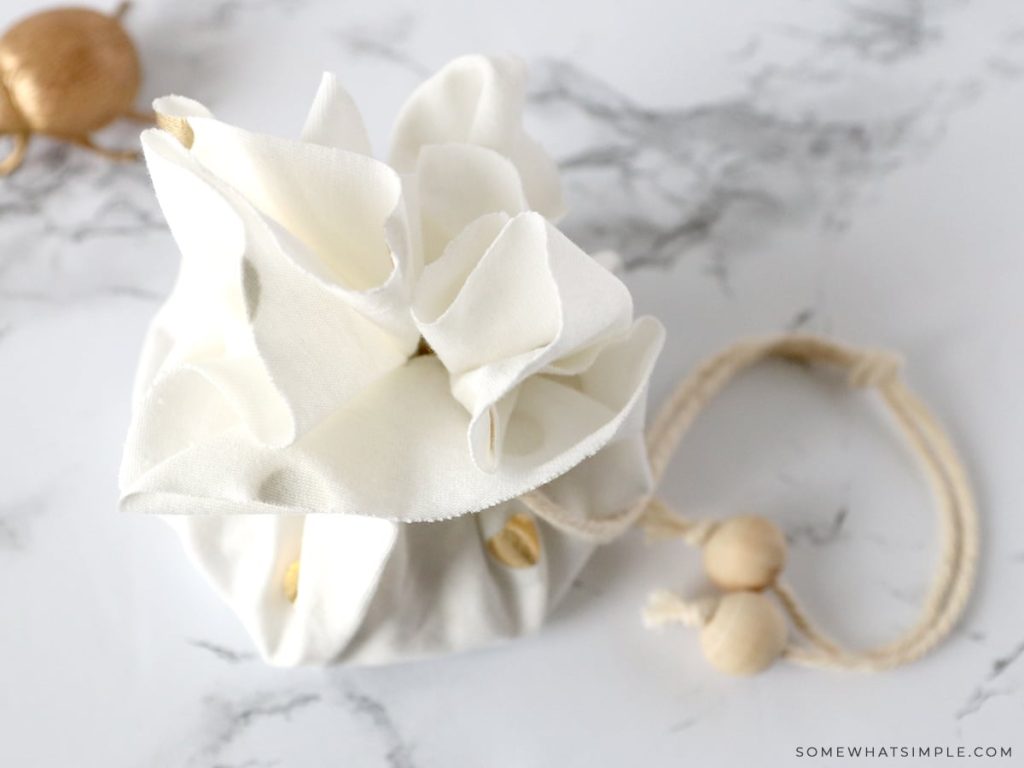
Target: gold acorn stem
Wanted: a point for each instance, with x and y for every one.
(117, 155)
(16, 155)
(140, 117)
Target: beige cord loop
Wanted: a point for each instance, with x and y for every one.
(954, 576)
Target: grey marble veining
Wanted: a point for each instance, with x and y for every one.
(223, 653)
(847, 168)
(399, 754)
(660, 183)
(994, 684)
(225, 720)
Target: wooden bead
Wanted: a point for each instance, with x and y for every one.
(745, 634)
(745, 553)
(517, 545)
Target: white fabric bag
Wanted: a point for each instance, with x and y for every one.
(363, 365)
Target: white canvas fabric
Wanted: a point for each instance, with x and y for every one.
(362, 365)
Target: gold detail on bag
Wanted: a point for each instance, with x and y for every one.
(178, 127)
(291, 582)
(517, 545)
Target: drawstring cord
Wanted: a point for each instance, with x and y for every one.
(741, 631)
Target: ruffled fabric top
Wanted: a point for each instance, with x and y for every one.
(412, 340)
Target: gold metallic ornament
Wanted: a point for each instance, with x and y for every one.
(65, 73)
(517, 545)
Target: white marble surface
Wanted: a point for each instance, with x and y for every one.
(849, 168)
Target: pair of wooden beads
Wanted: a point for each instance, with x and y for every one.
(745, 631)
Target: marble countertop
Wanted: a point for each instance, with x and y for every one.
(852, 169)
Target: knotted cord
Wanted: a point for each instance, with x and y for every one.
(878, 369)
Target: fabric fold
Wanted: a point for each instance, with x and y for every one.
(478, 100)
(320, 341)
(334, 119)
(531, 304)
(398, 451)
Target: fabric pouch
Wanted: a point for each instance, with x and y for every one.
(362, 366)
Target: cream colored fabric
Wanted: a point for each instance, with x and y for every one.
(281, 378)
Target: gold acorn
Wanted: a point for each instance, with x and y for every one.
(66, 73)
